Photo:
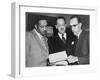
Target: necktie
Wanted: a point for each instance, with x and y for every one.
(63, 38)
(43, 42)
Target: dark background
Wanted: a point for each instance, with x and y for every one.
(32, 19)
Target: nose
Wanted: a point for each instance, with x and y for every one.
(45, 28)
(62, 28)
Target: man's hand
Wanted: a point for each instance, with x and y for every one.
(72, 59)
(60, 63)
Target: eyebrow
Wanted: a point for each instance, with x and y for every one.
(74, 25)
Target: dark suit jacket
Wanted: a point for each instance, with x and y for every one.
(57, 45)
(36, 54)
(82, 47)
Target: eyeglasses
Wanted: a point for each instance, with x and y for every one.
(74, 25)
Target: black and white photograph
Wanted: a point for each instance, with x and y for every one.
(56, 39)
(50, 40)
(53, 39)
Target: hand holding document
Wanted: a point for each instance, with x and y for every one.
(72, 59)
(61, 59)
(60, 63)
(58, 58)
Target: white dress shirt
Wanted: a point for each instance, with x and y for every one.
(64, 35)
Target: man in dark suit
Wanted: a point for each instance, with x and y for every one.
(36, 45)
(82, 46)
(64, 40)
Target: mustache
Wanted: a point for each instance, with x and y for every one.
(62, 28)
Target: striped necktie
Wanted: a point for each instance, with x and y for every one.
(63, 38)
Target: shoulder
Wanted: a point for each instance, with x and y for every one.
(29, 35)
(85, 33)
(51, 39)
(85, 36)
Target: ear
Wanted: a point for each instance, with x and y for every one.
(56, 26)
(80, 24)
(35, 26)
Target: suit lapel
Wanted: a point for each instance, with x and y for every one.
(59, 41)
(39, 41)
(79, 43)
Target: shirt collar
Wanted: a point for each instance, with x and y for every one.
(78, 35)
(60, 35)
(38, 34)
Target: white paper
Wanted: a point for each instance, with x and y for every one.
(59, 56)
(62, 63)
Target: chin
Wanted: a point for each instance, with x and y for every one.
(62, 32)
(75, 34)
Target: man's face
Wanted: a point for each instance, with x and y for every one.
(61, 26)
(42, 26)
(75, 25)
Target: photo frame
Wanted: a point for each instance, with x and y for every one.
(18, 28)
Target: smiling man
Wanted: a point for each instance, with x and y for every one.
(63, 40)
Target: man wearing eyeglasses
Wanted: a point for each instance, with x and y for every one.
(82, 46)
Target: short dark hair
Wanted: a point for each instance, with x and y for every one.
(76, 16)
(60, 17)
(42, 18)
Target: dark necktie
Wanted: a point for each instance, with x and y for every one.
(63, 39)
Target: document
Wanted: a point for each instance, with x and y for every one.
(72, 59)
(61, 63)
(59, 56)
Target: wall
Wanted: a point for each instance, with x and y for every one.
(5, 39)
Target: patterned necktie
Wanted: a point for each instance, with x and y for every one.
(44, 42)
(63, 38)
